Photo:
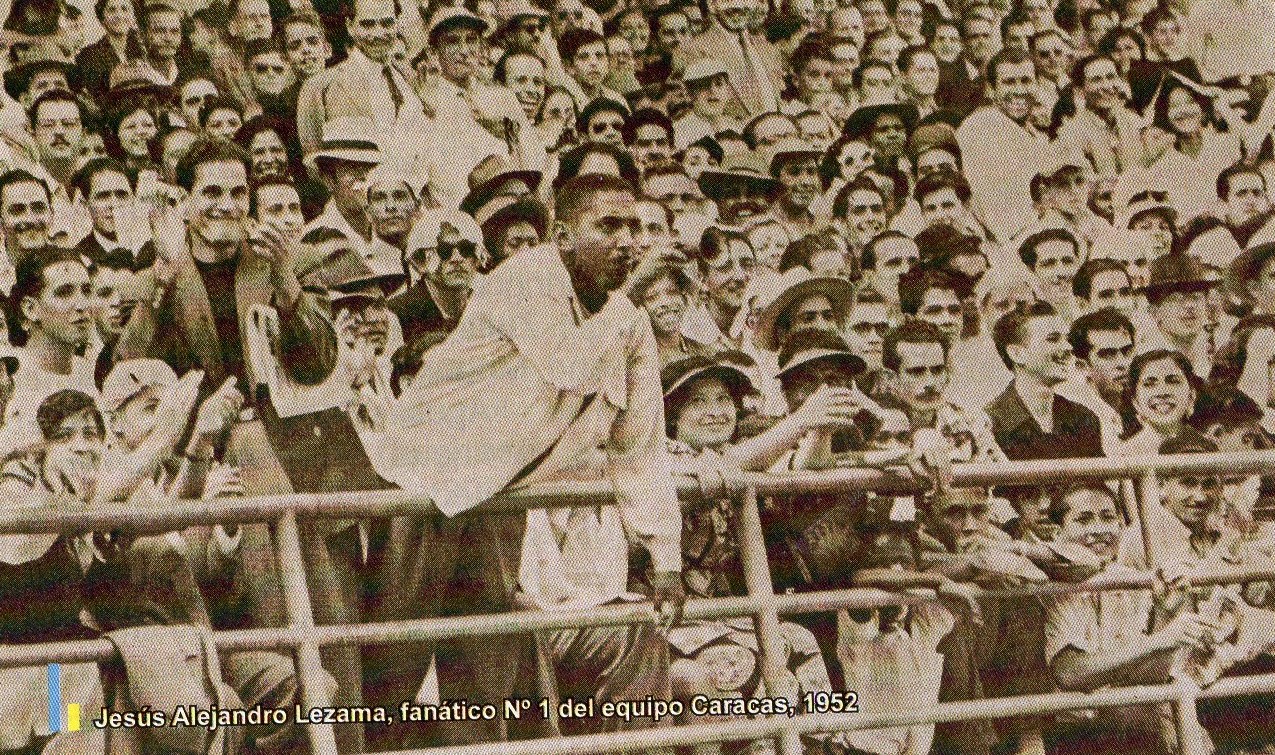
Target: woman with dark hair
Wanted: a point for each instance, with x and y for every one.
(1207, 134)
(130, 136)
(1159, 396)
(1123, 45)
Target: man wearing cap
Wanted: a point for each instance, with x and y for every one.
(742, 188)
(754, 64)
(1178, 295)
(366, 84)
(708, 84)
(1000, 186)
(486, 118)
(795, 164)
(443, 254)
(545, 334)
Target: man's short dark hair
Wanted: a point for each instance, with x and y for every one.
(1078, 68)
(208, 151)
(811, 47)
(267, 181)
(1027, 250)
(1007, 56)
(19, 176)
(1058, 507)
(55, 409)
(254, 47)
(54, 95)
(1105, 320)
(1107, 45)
(939, 180)
(1082, 284)
(574, 39)
(1228, 175)
(600, 105)
(576, 195)
(916, 282)
(570, 162)
(82, 182)
(213, 104)
(500, 74)
(150, 11)
(646, 116)
(911, 330)
(1011, 328)
(29, 282)
(911, 51)
(1160, 12)
(841, 202)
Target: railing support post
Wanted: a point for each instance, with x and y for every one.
(296, 602)
(1148, 499)
(1191, 737)
(760, 584)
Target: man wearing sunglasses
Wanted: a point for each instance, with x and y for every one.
(442, 256)
(547, 365)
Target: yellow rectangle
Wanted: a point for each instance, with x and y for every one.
(72, 717)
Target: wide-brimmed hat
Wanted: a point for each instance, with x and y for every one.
(860, 123)
(132, 83)
(809, 346)
(791, 288)
(504, 211)
(704, 68)
(487, 176)
(791, 148)
(131, 376)
(327, 259)
(510, 11)
(1145, 203)
(453, 16)
(43, 58)
(731, 367)
(1178, 272)
(348, 139)
(426, 229)
(741, 167)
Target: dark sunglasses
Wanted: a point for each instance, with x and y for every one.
(463, 248)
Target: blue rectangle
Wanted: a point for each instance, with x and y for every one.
(55, 698)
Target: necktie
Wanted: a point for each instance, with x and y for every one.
(396, 94)
(756, 80)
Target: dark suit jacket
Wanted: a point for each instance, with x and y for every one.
(1145, 78)
(1077, 432)
(93, 68)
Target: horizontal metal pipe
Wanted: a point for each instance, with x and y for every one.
(164, 517)
(422, 630)
(966, 710)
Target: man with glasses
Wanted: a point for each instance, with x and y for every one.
(669, 185)
(442, 257)
(865, 329)
(270, 79)
(603, 120)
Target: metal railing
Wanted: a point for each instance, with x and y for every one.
(304, 638)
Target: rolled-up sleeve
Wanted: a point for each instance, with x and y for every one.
(638, 460)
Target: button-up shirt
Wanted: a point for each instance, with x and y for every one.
(527, 388)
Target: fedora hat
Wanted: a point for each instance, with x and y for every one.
(326, 259)
(1178, 272)
(1146, 202)
(730, 366)
(792, 287)
(487, 177)
(739, 168)
(809, 346)
(44, 57)
(861, 121)
(790, 148)
(348, 139)
(453, 16)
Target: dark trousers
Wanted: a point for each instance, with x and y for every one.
(438, 566)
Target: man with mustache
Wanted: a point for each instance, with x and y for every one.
(26, 215)
(1104, 342)
(742, 189)
(57, 124)
(1178, 298)
(1001, 187)
(1029, 419)
(754, 64)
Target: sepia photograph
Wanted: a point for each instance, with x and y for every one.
(666, 377)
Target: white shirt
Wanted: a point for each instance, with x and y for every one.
(527, 388)
(1000, 186)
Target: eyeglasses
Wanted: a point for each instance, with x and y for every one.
(601, 127)
(531, 27)
(864, 209)
(463, 248)
(868, 328)
(198, 99)
(263, 68)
